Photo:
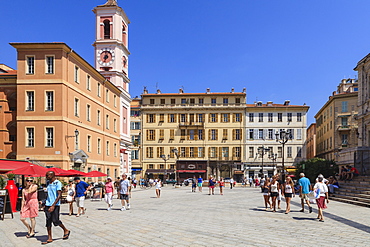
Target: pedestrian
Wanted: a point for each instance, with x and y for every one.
(231, 183)
(158, 187)
(288, 192)
(129, 188)
(304, 189)
(29, 206)
(200, 183)
(266, 194)
(274, 192)
(250, 181)
(52, 206)
(71, 193)
(81, 190)
(124, 187)
(322, 193)
(116, 185)
(279, 197)
(222, 185)
(193, 184)
(109, 193)
(211, 185)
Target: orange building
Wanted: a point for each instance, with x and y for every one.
(67, 113)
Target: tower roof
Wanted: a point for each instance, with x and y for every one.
(110, 3)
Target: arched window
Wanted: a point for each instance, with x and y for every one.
(106, 29)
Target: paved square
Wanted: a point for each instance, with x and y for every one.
(183, 218)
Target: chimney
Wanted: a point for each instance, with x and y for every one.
(145, 91)
(208, 90)
(158, 91)
(181, 91)
(269, 103)
(232, 90)
(244, 90)
(286, 102)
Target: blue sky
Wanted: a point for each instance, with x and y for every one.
(279, 50)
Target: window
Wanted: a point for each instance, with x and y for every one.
(344, 140)
(251, 134)
(344, 122)
(299, 116)
(212, 152)
(107, 96)
(251, 152)
(251, 117)
(163, 101)
(213, 134)
(88, 83)
(213, 118)
(183, 118)
(134, 113)
(30, 65)
(191, 134)
(225, 117)
(299, 152)
(280, 117)
(192, 101)
(290, 116)
(89, 144)
(30, 101)
(182, 152)
(260, 117)
(98, 90)
(213, 101)
(107, 148)
(191, 152)
(150, 118)
(88, 113)
(135, 125)
(270, 134)
(224, 134)
(49, 137)
(183, 101)
(107, 122)
(173, 101)
(200, 118)
(182, 134)
(150, 135)
(30, 137)
(289, 152)
(115, 125)
(236, 152)
(161, 134)
(77, 102)
(136, 140)
(260, 134)
(115, 100)
(98, 118)
(226, 101)
(99, 146)
(200, 134)
(49, 101)
(172, 134)
(50, 65)
(225, 152)
(237, 117)
(172, 118)
(280, 152)
(344, 106)
(299, 134)
(106, 29)
(76, 74)
(270, 117)
(134, 154)
(237, 100)
(237, 134)
(150, 166)
(149, 153)
(201, 101)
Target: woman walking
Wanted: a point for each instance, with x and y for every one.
(288, 193)
(266, 194)
(222, 185)
(30, 206)
(274, 192)
(322, 191)
(158, 187)
(211, 185)
(109, 190)
(71, 192)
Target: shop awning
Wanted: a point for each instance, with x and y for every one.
(191, 171)
(160, 171)
(9, 165)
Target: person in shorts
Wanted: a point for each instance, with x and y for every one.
(124, 189)
(52, 206)
(211, 185)
(81, 189)
(304, 188)
(200, 183)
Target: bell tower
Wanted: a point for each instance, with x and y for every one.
(111, 43)
(111, 60)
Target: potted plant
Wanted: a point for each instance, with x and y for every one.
(12, 191)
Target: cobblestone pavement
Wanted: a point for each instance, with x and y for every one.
(182, 218)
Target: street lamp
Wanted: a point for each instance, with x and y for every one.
(283, 137)
(76, 138)
(273, 157)
(261, 152)
(165, 158)
(176, 152)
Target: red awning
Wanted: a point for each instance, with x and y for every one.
(192, 171)
(9, 165)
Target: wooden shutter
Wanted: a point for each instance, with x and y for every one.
(187, 152)
(216, 133)
(196, 152)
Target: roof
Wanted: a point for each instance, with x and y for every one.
(275, 106)
(189, 94)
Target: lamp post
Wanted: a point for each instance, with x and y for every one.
(261, 152)
(165, 158)
(283, 137)
(176, 152)
(273, 157)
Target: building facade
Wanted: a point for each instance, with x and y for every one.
(111, 60)
(67, 113)
(336, 124)
(311, 141)
(263, 153)
(191, 134)
(135, 131)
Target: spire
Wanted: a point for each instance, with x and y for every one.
(111, 3)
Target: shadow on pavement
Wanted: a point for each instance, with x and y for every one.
(303, 218)
(20, 234)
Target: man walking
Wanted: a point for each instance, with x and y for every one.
(81, 190)
(304, 189)
(124, 192)
(52, 206)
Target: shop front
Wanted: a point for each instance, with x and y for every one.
(163, 174)
(189, 169)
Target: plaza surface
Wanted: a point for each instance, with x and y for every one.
(183, 218)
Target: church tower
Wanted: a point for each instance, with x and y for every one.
(111, 60)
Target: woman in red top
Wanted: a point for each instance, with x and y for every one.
(30, 206)
(109, 190)
(222, 185)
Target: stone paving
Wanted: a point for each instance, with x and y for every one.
(183, 218)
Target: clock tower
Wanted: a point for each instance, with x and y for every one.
(111, 60)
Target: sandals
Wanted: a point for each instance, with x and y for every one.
(66, 236)
(47, 242)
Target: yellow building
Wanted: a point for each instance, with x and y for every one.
(135, 131)
(191, 134)
(67, 113)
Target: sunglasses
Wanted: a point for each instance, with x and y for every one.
(29, 180)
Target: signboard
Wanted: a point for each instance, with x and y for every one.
(5, 207)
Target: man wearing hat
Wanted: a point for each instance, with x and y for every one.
(81, 189)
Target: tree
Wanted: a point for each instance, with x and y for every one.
(313, 167)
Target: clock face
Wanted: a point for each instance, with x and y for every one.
(105, 57)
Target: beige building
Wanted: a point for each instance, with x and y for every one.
(135, 130)
(263, 152)
(311, 141)
(336, 124)
(67, 113)
(191, 134)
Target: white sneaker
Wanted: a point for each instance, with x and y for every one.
(109, 208)
(123, 209)
(128, 206)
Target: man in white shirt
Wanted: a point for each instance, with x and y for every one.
(124, 192)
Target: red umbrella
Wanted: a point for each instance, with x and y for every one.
(30, 171)
(9, 165)
(76, 173)
(60, 172)
(95, 174)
